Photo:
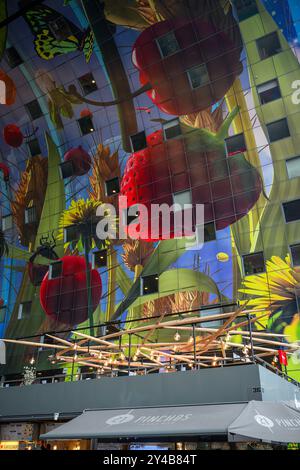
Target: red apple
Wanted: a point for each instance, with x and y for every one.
(199, 44)
(227, 186)
(65, 298)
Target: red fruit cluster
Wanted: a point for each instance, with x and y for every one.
(227, 186)
(199, 45)
(13, 136)
(80, 159)
(65, 298)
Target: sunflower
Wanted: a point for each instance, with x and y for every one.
(276, 291)
(81, 215)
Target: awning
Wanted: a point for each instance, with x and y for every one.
(268, 422)
(149, 422)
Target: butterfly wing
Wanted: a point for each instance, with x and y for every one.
(88, 44)
(47, 45)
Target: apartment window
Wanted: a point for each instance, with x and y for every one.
(13, 58)
(293, 167)
(66, 169)
(269, 91)
(100, 259)
(278, 130)
(245, 9)
(254, 263)
(55, 270)
(24, 310)
(209, 311)
(291, 210)
(7, 222)
(149, 284)
(2, 313)
(60, 28)
(34, 147)
(71, 233)
(209, 232)
(34, 110)
(86, 125)
(88, 83)
(30, 215)
(138, 141)
(112, 186)
(168, 44)
(236, 144)
(295, 254)
(198, 76)
(182, 198)
(172, 129)
(268, 45)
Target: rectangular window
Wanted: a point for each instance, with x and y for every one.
(138, 141)
(7, 222)
(209, 232)
(66, 169)
(30, 215)
(291, 210)
(34, 147)
(168, 44)
(88, 83)
(2, 313)
(278, 130)
(60, 28)
(100, 259)
(268, 91)
(245, 9)
(13, 58)
(198, 76)
(293, 167)
(254, 263)
(236, 144)
(71, 233)
(86, 125)
(112, 186)
(34, 110)
(24, 310)
(130, 215)
(149, 284)
(295, 254)
(268, 45)
(182, 198)
(172, 129)
(55, 270)
(207, 312)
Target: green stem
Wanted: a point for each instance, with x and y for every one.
(88, 286)
(111, 282)
(115, 69)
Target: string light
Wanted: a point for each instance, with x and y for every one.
(177, 336)
(191, 339)
(32, 361)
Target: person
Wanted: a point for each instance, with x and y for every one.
(48, 447)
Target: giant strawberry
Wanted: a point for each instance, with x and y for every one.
(196, 162)
(65, 298)
(188, 64)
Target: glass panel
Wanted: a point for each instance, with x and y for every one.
(168, 44)
(293, 167)
(295, 252)
(278, 130)
(138, 141)
(291, 210)
(269, 91)
(268, 45)
(198, 76)
(172, 129)
(254, 263)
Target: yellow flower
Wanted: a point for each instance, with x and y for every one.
(82, 215)
(280, 284)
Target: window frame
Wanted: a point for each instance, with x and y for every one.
(264, 84)
(190, 79)
(283, 212)
(142, 287)
(259, 49)
(297, 157)
(274, 122)
(160, 47)
(91, 128)
(250, 255)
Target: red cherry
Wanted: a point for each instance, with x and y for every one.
(65, 298)
(13, 135)
(81, 160)
(200, 44)
(228, 187)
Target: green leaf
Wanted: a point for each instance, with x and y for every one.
(18, 253)
(123, 280)
(180, 280)
(166, 253)
(54, 203)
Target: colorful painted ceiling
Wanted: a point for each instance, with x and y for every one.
(162, 102)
